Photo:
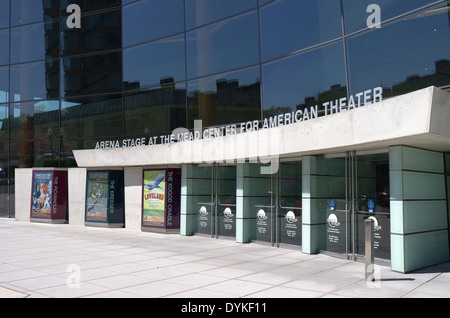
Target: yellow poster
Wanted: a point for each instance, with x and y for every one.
(154, 198)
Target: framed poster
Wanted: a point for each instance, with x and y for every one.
(154, 198)
(41, 197)
(49, 196)
(97, 196)
(161, 195)
(105, 198)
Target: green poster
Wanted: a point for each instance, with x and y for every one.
(154, 198)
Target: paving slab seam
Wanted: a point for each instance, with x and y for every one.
(91, 281)
(422, 284)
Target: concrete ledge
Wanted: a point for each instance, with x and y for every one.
(418, 119)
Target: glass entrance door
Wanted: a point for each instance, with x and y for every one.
(278, 205)
(356, 186)
(215, 199)
(372, 200)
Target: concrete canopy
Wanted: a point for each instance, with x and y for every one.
(418, 119)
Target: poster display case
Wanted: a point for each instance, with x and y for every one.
(105, 198)
(49, 196)
(161, 195)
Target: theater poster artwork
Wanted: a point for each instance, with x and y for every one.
(42, 195)
(97, 196)
(154, 191)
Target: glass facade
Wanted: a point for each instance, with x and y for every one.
(140, 68)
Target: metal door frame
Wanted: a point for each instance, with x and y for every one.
(356, 211)
(351, 199)
(212, 203)
(271, 207)
(275, 204)
(215, 199)
(220, 204)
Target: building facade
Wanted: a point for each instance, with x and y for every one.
(291, 121)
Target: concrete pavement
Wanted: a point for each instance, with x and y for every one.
(66, 261)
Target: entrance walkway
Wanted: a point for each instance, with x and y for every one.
(57, 261)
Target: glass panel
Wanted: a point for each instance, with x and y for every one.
(260, 198)
(94, 74)
(161, 109)
(223, 46)
(200, 12)
(373, 183)
(226, 98)
(447, 162)
(34, 42)
(262, 2)
(12, 206)
(4, 122)
(92, 116)
(290, 184)
(4, 14)
(373, 200)
(67, 145)
(4, 198)
(4, 84)
(156, 17)
(154, 63)
(89, 5)
(29, 11)
(200, 197)
(98, 32)
(227, 201)
(4, 48)
(328, 189)
(284, 24)
(290, 203)
(448, 203)
(37, 153)
(46, 152)
(356, 15)
(4, 159)
(304, 80)
(35, 120)
(404, 56)
(37, 80)
(67, 158)
(419, 185)
(14, 162)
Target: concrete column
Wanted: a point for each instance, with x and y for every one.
(419, 228)
(76, 195)
(245, 212)
(313, 218)
(133, 198)
(23, 181)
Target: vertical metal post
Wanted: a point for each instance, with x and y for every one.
(347, 196)
(213, 210)
(369, 245)
(277, 195)
(271, 210)
(216, 205)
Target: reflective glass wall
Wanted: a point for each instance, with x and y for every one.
(141, 68)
